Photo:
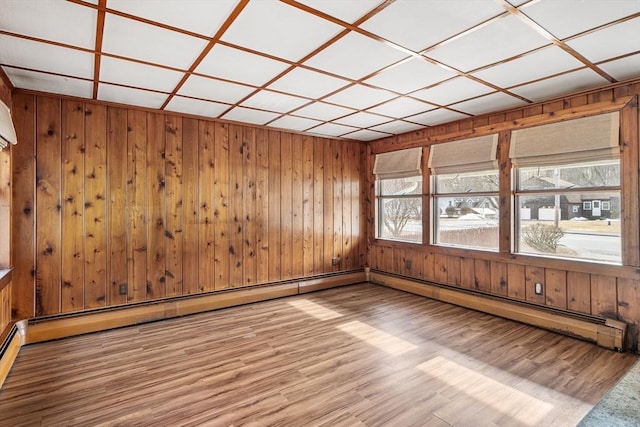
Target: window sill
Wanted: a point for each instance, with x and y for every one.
(5, 277)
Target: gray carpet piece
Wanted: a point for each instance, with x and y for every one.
(620, 407)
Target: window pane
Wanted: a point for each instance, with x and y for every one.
(595, 174)
(573, 225)
(486, 181)
(471, 221)
(401, 219)
(401, 186)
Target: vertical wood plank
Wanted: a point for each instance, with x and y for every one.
(429, 266)
(604, 297)
(454, 275)
(337, 210)
(328, 206)
(556, 284)
(499, 278)
(236, 222)
(49, 205)
(533, 275)
(629, 162)
(467, 272)
(354, 204)
(156, 206)
(297, 207)
(136, 204)
(174, 227)
(516, 281)
(117, 209)
(307, 205)
(217, 192)
(95, 206)
(440, 268)
(367, 221)
(629, 308)
(274, 206)
(579, 292)
(23, 180)
(72, 292)
(190, 194)
(318, 205)
(262, 206)
(250, 203)
(504, 162)
(482, 275)
(286, 214)
(207, 183)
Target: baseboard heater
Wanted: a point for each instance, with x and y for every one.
(607, 333)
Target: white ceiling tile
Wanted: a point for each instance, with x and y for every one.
(561, 85)
(130, 73)
(402, 107)
(248, 115)
(49, 83)
(197, 16)
(623, 69)
(345, 10)
(355, 56)
(366, 135)
(362, 120)
(294, 123)
(397, 127)
(436, 117)
(240, 66)
(279, 29)
(502, 39)
(453, 90)
(129, 96)
(409, 76)
(542, 63)
(322, 111)
(56, 20)
(308, 83)
(417, 25)
(610, 42)
(273, 101)
(517, 3)
(488, 104)
(45, 57)
(198, 107)
(133, 39)
(568, 17)
(360, 97)
(214, 90)
(332, 129)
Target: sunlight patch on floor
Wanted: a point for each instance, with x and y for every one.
(318, 311)
(377, 338)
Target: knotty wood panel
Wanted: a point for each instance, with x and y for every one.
(604, 296)
(556, 284)
(579, 292)
(139, 205)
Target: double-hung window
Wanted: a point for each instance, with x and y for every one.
(399, 195)
(464, 200)
(567, 199)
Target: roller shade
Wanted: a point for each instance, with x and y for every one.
(465, 155)
(398, 164)
(7, 132)
(574, 141)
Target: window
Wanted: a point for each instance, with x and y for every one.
(465, 202)
(558, 168)
(399, 195)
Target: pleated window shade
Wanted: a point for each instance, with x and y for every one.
(7, 131)
(465, 155)
(574, 141)
(398, 164)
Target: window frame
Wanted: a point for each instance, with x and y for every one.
(379, 203)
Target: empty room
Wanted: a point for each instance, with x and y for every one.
(319, 213)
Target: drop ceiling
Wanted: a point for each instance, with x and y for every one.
(353, 69)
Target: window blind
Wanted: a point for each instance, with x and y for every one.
(574, 141)
(465, 155)
(7, 132)
(398, 164)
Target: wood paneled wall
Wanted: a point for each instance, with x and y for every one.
(5, 215)
(118, 205)
(601, 290)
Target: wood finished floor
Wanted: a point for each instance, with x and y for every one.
(361, 355)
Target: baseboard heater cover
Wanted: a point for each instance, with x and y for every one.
(607, 333)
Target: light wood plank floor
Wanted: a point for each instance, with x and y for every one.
(361, 355)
